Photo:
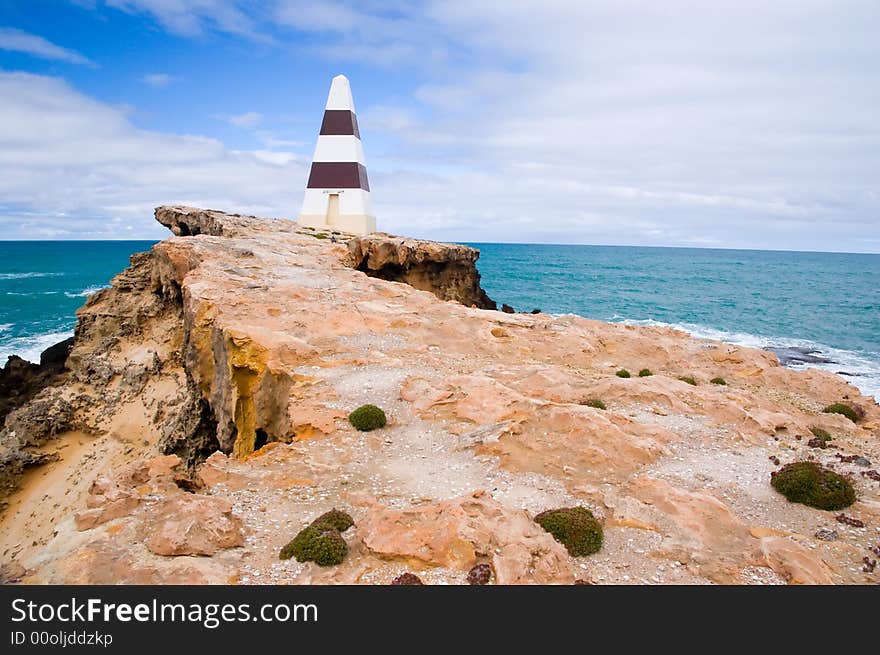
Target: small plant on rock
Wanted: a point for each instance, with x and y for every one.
(850, 412)
(719, 381)
(321, 541)
(335, 519)
(689, 379)
(819, 433)
(623, 373)
(367, 417)
(810, 484)
(574, 527)
(645, 373)
(598, 404)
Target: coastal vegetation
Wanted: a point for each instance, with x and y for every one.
(719, 381)
(845, 410)
(321, 541)
(813, 485)
(623, 373)
(820, 433)
(645, 373)
(593, 402)
(689, 379)
(367, 417)
(574, 527)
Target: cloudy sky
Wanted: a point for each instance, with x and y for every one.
(740, 124)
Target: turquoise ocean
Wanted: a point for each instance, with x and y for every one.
(823, 302)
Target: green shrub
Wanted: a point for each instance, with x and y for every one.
(689, 379)
(645, 373)
(720, 381)
(334, 520)
(813, 485)
(623, 373)
(819, 433)
(367, 417)
(320, 235)
(845, 410)
(574, 527)
(598, 404)
(321, 541)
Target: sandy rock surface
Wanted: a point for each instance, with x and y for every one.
(203, 424)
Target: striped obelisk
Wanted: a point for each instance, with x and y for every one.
(338, 193)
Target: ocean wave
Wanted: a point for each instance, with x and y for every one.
(5, 327)
(85, 292)
(21, 276)
(862, 370)
(32, 293)
(30, 347)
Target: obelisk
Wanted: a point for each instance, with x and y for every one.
(338, 193)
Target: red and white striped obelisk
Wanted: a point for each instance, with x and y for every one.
(338, 193)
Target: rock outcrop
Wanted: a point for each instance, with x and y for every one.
(446, 270)
(204, 413)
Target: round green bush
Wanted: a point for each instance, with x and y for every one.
(845, 410)
(367, 417)
(810, 484)
(321, 542)
(645, 373)
(623, 373)
(598, 404)
(690, 380)
(335, 520)
(574, 527)
(316, 544)
(719, 381)
(819, 433)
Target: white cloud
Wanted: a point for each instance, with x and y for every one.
(158, 79)
(72, 166)
(18, 41)
(194, 17)
(740, 123)
(249, 119)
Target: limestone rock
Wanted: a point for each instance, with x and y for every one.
(458, 532)
(237, 348)
(447, 270)
(192, 524)
(794, 562)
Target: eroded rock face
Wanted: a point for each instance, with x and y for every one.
(239, 348)
(448, 271)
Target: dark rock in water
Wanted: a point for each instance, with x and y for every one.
(507, 309)
(21, 380)
(535, 311)
(55, 356)
(789, 355)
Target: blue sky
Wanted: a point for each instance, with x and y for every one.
(724, 124)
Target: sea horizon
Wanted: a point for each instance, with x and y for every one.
(714, 293)
(476, 244)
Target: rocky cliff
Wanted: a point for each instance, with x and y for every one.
(204, 413)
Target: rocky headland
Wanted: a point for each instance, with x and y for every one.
(199, 422)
